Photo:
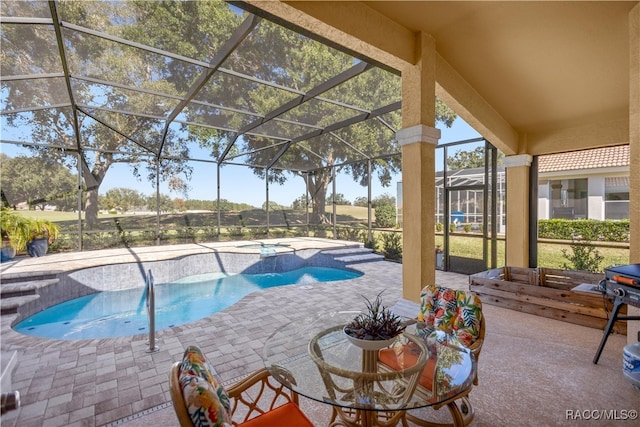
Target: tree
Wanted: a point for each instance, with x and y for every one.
(300, 203)
(188, 27)
(302, 64)
(166, 204)
(122, 199)
(465, 159)
(383, 199)
(339, 199)
(37, 181)
(361, 201)
(273, 206)
(133, 135)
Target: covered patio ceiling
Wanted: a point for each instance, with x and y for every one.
(175, 83)
(533, 77)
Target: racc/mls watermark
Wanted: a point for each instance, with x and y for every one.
(601, 414)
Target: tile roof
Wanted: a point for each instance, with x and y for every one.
(587, 159)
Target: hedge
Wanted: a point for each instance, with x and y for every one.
(588, 229)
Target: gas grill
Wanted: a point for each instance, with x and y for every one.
(623, 285)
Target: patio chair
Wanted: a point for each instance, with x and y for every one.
(200, 400)
(453, 316)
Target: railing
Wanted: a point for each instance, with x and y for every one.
(151, 312)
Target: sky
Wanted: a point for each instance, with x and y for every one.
(238, 184)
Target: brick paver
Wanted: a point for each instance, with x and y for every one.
(97, 382)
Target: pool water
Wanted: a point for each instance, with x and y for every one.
(124, 313)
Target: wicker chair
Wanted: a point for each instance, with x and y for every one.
(256, 401)
(459, 314)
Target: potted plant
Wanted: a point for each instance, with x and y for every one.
(26, 234)
(43, 233)
(376, 328)
(9, 222)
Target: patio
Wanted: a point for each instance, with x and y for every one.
(527, 362)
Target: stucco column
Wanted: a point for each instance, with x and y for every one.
(633, 328)
(517, 234)
(418, 140)
(418, 210)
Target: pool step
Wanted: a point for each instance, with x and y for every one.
(17, 290)
(11, 305)
(354, 255)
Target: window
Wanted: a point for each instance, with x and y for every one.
(616, 197)
(569, 198)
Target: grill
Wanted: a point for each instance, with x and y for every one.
(623, 285)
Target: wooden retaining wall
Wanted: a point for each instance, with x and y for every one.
(546, 292)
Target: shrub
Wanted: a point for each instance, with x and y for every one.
(452, 227)
(386, 216)
(467, 228)
(439, 227)
(589, 229)
(584, 256)
(352, 234)
(369, 243)
(392, 246)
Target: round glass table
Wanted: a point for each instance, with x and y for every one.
(366, 386)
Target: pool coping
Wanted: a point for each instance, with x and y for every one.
(71, 261)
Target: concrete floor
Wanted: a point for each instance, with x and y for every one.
(532, 371)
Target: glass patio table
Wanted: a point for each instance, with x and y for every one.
(316, 359)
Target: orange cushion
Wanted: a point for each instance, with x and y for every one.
(403, 357)
(286, 415)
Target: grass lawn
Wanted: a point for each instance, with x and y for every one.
(549, 254)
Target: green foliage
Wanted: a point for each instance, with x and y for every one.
(227, 206)
(369, 243)
(273, 206)
(235, 232)
(200, 205)
(377, 323)
(37, 182)
(452, 227)
(124, 199)
(467, 228)
(385, 216)
(392, 246)
(352, 234)
(258, 232)
(589, 229)
(382, 200)
(439, 227)
(300, 203)
(361, 201)
(198, 30)
(465, 159)
(19, 230)
(339, 199)
(583, 257)
(165, 202)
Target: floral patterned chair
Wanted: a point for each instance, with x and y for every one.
(200, 400)
(457, 313)
(448, 317)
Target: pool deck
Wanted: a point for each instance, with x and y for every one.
(527, 362)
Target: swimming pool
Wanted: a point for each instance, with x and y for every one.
(123, 312)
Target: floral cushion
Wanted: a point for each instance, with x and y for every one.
(206, 400)
(455, 312)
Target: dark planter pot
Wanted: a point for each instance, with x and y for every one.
(38, 247)
(7, 253)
